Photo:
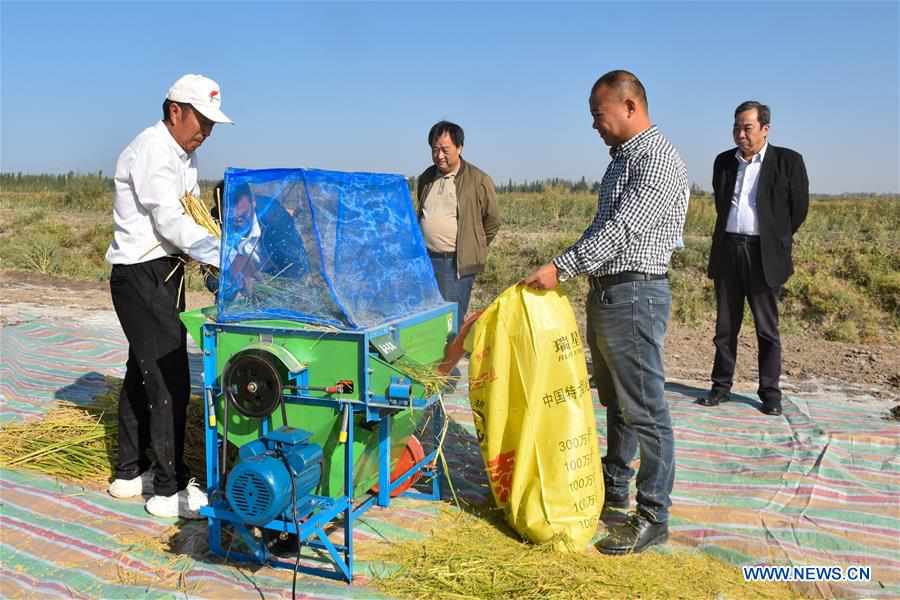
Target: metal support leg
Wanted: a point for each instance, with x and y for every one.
(348, 492)
(384, 460)
(211, 432)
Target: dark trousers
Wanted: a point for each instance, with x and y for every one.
(626, 328)
(744, 280)
(154, 397)
(453, 288)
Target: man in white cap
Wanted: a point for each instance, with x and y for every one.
(151, 230)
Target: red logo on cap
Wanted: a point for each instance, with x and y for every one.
(213, 94)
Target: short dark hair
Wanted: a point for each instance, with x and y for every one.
(442, 127)
(763, 114)
(623, 82)
(167, 103)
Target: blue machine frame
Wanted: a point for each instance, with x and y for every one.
(375, 409)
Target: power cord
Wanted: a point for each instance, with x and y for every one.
(290, 471)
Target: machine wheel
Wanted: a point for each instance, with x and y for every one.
(252, 383)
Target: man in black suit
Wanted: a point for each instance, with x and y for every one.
(762, 196)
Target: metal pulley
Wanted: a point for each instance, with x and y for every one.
(252, 383)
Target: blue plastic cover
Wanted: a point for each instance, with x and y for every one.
(323, 247)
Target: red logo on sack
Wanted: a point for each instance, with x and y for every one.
(478, 382)
(500, 471)
(486, 352)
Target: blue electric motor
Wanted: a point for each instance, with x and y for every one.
(259, 486)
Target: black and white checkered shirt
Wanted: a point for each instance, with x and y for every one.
(640, 212)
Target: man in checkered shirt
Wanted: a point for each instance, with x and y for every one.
(625, 252)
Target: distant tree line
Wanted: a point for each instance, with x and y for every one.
(555, 183)
(537, 186)
(45, 182)
(84, 184)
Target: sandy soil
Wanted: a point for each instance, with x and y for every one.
(863, 370)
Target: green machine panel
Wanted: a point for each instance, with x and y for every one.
(328, 357)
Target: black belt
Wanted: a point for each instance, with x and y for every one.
(441, 254)
(607, 281)
(742, 238)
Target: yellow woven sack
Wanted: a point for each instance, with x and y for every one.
(531, 400)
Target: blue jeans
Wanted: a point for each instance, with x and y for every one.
(626, 332)
(452, 289)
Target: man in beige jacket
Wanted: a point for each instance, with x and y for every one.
(458, 213)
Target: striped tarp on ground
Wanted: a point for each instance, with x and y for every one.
(818, 486)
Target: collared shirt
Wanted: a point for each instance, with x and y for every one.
(440, 214)
(641, 210)
(152, 175)
(742, 217)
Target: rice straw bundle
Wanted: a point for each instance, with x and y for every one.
(478, 556)
(198, 211)
(80, 443)
(69, 442)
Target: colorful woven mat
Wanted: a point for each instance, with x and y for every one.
(818, 486)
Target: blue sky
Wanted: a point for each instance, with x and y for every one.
(356, 87)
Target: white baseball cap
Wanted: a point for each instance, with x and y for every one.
(202, 93)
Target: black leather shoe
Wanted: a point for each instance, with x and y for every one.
(714, 398)
(635, 535)
(771, 406)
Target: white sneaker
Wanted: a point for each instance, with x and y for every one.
(130, 488)
(185, 504)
